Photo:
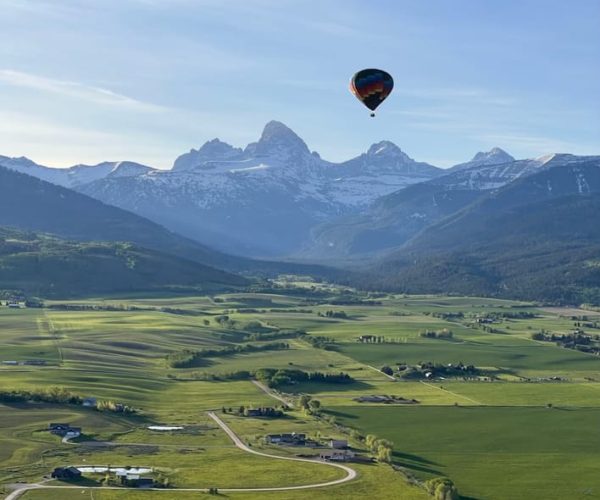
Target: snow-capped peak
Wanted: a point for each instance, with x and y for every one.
(278, 138)
(386, 149)
(214, 150)
(493, 156)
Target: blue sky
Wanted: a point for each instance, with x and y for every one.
(146, 80)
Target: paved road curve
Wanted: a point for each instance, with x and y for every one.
(350, 473)
(271, 394)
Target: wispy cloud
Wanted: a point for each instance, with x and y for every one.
(75, 90)
(454, 95)
(533, 142)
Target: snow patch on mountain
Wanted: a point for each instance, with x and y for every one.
(494, 156)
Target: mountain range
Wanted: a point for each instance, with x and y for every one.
(536, 237)
(260, 201)
(393, 220)
(31, 204)
(493, 225)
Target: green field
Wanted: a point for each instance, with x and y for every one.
(491, 452)
(532, 432)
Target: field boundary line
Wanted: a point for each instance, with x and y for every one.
(453, 393)
(350, 473)
(271, 394)
(380, 372)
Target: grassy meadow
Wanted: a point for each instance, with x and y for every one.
(529, 428)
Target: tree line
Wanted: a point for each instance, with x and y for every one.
(188, 358)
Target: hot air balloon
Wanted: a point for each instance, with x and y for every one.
(371, 87)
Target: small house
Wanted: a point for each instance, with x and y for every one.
(372, 399)
(59, 429)
(64, 430)
(338, 444)
(292, 439)
(89, 402)
(336, 455)
(273, 438)
(254, 412)
(73, 432)
(145, 482)
(366, 338)
(66, 473)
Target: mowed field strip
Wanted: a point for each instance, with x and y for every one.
(517, 413)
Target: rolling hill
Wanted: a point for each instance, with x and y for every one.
(47, 266)
(29, 203)
(536, 238)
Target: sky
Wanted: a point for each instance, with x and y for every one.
(147, 80)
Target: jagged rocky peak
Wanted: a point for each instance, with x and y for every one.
(218, 148)
(277, 138)
(214, 150)
(386, 149)
(494, 155)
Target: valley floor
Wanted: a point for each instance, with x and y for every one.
(524, 425)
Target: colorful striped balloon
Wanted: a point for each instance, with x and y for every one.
(371, 87)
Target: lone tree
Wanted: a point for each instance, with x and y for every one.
(442, 488)
(387, 370)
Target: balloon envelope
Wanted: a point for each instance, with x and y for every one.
(371, 86)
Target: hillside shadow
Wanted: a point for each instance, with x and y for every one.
(416, 463)
(316, 389)
(341, 414)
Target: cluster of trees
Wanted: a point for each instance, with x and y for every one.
(225, 321)
(578, 340)
(180, 312)
(267, 412)
(276, 334)
(434, 370)
(382, 449)
(513, 315)
(274, 377)
(255, 326)
(319, 342)
(448, 315)
(114, 407)
(442, 488)
(437, 334)
(187, 358)
(309, 405)
(353, 302)
(373, 339)
(97, 307)
(588, 324)
(214, 377)
(333, 314)
(59, 395)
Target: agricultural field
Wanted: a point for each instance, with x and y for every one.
(525, 423)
